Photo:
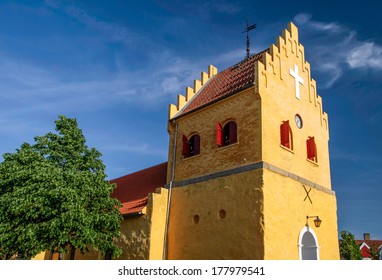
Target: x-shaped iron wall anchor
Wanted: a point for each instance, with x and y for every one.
(307, 194)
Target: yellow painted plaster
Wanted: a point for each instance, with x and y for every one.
(285, 214)
(278, 103)
(40, 256)
(143, 235)
(212, 158)
(218, 219)
(284, 209)
(157, 213)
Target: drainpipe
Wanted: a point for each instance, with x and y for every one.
(169, 193)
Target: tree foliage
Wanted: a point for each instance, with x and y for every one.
(54, 196)
(349, 250)
(374, 253)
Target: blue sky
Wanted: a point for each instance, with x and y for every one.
(116, 65)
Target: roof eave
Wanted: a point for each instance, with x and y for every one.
(132, 214)
(247, 86)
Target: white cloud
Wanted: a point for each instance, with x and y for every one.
(365, 54)
(329, 27)
(335, 73)
(171, 84)
(34, 88)
(162, 74)
(334, 47)
(302, 18)
(111, 30)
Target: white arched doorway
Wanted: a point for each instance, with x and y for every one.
(308, 245)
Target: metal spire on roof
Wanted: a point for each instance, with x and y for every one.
(249, 28)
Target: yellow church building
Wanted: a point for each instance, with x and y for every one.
(248, 171)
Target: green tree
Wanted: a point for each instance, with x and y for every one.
(54, 196)
(374, 253)
(349, 250)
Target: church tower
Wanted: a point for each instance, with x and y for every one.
(248, 168)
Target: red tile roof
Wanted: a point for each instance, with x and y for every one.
(377, 243)
(132, 190)
(230, 80)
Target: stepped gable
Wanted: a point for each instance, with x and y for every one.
(229, 81)
(132, 190)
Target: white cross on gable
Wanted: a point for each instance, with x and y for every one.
(297, 80)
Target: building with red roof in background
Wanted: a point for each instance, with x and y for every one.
(367, 245)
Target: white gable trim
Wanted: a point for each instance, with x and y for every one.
(363, 245)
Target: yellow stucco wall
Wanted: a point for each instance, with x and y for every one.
(157, 212)
(285, 209)
(238, 195)
(40, 256)
(212, 158)
(143, 235)
(218, 219)
(279, 103)
(135, 238)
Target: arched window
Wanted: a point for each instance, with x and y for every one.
(226, 135)
(286, 138)
(308, 245)
(191, 147)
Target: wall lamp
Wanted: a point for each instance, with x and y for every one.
(317, 221)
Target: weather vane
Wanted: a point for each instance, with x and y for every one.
(249, 28)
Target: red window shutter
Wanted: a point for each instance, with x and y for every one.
(186, 147)
(284, 134)
(219, 135)
(311, 148)
(196, 144)
(232, 132)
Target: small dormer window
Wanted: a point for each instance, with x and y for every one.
(226, 135)
(191, 147)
